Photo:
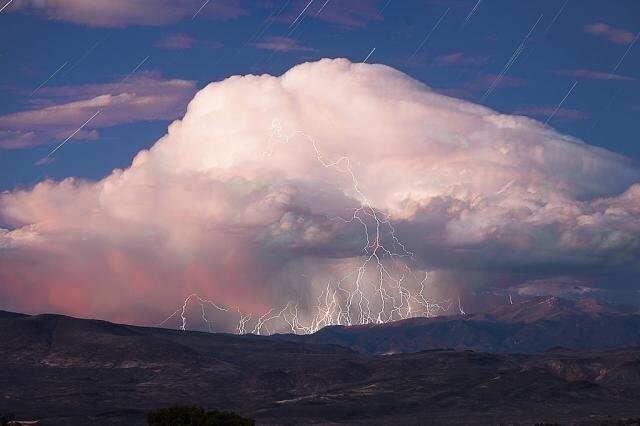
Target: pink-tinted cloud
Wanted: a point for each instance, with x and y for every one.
(239, 203)
(593, 75)
(119, 13)
(281, 44)
(176, 41)
(144, 97)
(546, 111)
(614, 35)
(459, 58)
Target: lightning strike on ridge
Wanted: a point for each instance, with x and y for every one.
(460, 308)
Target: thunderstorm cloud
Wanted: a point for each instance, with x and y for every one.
(237, 202)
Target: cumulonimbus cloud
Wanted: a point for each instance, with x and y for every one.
(238, 203)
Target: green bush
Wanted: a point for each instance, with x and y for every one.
(192, 415)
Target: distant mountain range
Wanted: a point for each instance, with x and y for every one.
(63, 370)
(531, 326)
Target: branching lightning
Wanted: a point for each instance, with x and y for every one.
(382, 287)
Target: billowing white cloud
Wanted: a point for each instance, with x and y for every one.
(240, 202)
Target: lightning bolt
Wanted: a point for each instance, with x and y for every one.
(376, 290)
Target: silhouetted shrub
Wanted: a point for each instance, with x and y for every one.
(192, 415)
(5, 418)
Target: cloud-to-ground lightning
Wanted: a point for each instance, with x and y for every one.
(426, 38)
(553, 113)
(512, 60)
(48, 79)
(369, 55)
(460, 308)
(200, 10)
(6, 5)
(373, 292)
(470, 15)
(72, 134)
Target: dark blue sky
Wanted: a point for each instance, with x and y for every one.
(95, 52)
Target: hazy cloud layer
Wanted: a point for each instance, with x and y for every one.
(281, 44)
(462, 59)
(176, 41)
(234, 203)
(119, 13)
(61, 110)
(593, 75)
(614, 35)
(345, 14)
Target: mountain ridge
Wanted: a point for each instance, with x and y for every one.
(65, 370)
(534, 325)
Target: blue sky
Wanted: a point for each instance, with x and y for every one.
(583, 44)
